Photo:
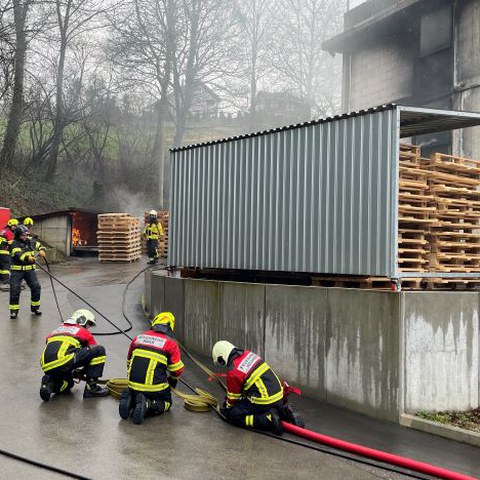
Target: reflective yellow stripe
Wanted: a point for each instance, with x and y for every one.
(264, 401)
(26, 254)
(16, 250)
(22, 267)
(4, 252)
(234, 396)
(253, 377)
(56, 363)
(261, 388)
(98, 360)
(65, 339)
(35, 304)
(176, 366)
(249, 421)
(64, 386)
(167, 405)
(14, 307)
(158, 357)
(147, 388)
(4, 272)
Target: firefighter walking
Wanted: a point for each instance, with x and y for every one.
(255, 395)
(153, 366)
(6, 239)
(153, 231)
(23, 267)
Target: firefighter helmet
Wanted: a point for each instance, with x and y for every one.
(221, 351)
(28, 222)
(21, 230)
(152, 213)
(164, 318)
(13, 222)
(82, 317)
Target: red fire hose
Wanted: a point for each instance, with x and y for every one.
(376, 454)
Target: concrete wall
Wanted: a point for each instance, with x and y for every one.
(441, 351)
(392, 77)
(380, 353)
(56, 231)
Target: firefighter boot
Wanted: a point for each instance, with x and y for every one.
(289, 414)
(36, 311)
(94, 390)
(13, 314)
(126, 404)
(274, 422)
(140, 409)
(155, 407)
(46, 388)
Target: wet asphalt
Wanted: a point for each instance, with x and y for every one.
(88, 438)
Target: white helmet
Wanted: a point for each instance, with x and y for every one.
(221, 351)
(152, 213)
(82, 317)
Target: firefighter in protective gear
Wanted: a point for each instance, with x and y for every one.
(255, 394)
(6, 239)
(23, 267)
(153, 231)
(153, 366)
(72, 352)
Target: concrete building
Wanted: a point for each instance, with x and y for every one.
(414, 52)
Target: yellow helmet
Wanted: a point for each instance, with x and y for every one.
(13, 222)
(28, 222)
(164, 318)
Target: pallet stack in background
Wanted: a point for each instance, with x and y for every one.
(119, 237)
(439, 215)
(163, 217)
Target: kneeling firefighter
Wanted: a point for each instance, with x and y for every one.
(256, 397)
(153, 365)
(72, 352)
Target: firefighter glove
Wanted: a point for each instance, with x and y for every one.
(42, 253)
(30, 259)
(172, 381)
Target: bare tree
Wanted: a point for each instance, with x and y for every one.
(74, 19)
(20, 11)
(254, 49)
(301, 65)
(7, 47)
(202, 53)
(143, 45)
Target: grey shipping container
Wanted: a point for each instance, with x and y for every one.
(319, 197)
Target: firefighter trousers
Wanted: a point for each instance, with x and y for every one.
(247, 414)
(4, 268)
(30, 276)
(152, 248)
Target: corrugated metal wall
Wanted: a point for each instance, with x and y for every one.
(314, 198)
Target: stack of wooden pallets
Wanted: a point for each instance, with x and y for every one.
(454, 239)
(415, 211)
(119, 238)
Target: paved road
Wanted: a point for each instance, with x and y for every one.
(87, 437)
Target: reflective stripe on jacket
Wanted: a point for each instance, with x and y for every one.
(62, 344)
(153, 231)
(150, 357)
(250, 377)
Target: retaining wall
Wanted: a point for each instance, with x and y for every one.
(380, 353)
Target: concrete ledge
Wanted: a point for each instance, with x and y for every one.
(452, 433)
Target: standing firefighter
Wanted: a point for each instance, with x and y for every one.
(154, 365)
(255, 394)
(23, 267)
(6, 239)
(71, 347)
(152, 233)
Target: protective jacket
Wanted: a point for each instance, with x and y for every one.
(62, 344)
(251, 378)
(150, 357)
(153, 231)
(6, 238)
(21, 250)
